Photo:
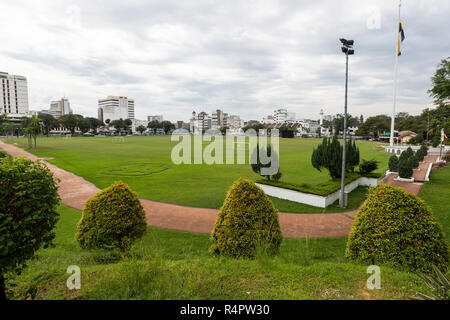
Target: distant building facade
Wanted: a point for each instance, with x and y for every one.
(115, 108)
(13, 94)
(59, 108)
(158, 118)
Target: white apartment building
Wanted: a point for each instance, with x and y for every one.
(13, 94)
(59, 108)
(219, 119)
(282, 116)
(200, 122)
(115, 108)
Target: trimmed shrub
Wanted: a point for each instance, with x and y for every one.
(247, 222)
(408, 152)
(397, 228)
(3, 154)
(28, 201)
(368, 166)
(424, 150)
(328, 155)
(393, 163)
(420, 155)
(113, 218)
(405, 169)
(415, 161)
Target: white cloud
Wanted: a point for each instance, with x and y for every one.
(247, 57)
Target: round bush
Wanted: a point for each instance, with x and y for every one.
(28, 201)
(113, 218)
(393, 163)
(397, 228)
(247, 222)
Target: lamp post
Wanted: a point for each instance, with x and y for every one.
(347, 48)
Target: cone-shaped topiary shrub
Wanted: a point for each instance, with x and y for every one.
(405, 169)
(113, 218)
(397, 228)
(247, 222)
(393, 163)
(415, 161)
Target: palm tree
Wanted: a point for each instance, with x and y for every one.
(35, 128)
(25, 124)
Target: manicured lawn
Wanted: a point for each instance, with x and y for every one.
(176, 265)
(436, 194)
(145, 164)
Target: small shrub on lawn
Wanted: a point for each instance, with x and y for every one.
(113, 218)
(367, 166)
(28, 201)
(247, 222)
(3, 154)
(393, 163)
(397, 228)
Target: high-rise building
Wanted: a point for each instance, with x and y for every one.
(13, 94)
(282, 115)
(219, 119)
(59, 108)
(115, 108)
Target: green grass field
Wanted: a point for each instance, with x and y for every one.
(168, 264)
(436, 193)
(144, 163)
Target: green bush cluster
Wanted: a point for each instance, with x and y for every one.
(393, 163)
(397, 228)
(113, 218)
(3, 154)
(247, 222)
(28, 201)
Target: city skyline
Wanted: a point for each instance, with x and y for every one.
(268, 55)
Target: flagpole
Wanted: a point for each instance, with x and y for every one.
(391, 138)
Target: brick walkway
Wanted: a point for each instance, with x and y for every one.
(75, 191)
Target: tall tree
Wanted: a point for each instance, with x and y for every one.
(441, 82)
(48, 121)
(35, 128)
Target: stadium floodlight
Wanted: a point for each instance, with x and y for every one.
(347, 48)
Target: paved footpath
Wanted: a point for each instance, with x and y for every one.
(75, 191)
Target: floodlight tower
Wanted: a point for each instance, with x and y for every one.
(347, 48)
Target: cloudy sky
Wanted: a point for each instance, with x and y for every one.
(246, 57)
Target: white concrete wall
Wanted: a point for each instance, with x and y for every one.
(312, 199)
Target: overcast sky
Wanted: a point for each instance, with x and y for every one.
(245, 57)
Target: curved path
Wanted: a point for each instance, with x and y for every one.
(75, 191)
